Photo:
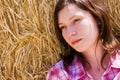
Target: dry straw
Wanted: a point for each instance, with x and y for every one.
(28, 46)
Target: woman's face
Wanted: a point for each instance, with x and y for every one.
(79, 28)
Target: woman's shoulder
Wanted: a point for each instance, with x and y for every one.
(57, 66)
(57, 71)
(60, 65)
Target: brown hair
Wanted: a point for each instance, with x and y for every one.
(100, 14)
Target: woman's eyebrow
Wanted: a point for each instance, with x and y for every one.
(75, 16)
(71, 18)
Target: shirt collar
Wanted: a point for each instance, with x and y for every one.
(78, 67)
(114, 62)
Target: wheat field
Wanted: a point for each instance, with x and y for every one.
(28, 45)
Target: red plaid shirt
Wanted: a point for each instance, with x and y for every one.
(77, 72)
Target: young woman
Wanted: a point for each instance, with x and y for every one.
(91, 50)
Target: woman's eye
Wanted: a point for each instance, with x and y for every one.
(76, 20)
(62, 27)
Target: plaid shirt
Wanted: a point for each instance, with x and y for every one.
(77, 72)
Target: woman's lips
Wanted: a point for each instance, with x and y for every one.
(76, 41)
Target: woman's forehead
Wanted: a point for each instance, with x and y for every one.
(71, 10)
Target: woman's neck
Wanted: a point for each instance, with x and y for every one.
(94, 55)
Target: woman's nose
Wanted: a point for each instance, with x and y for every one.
(71, 31)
